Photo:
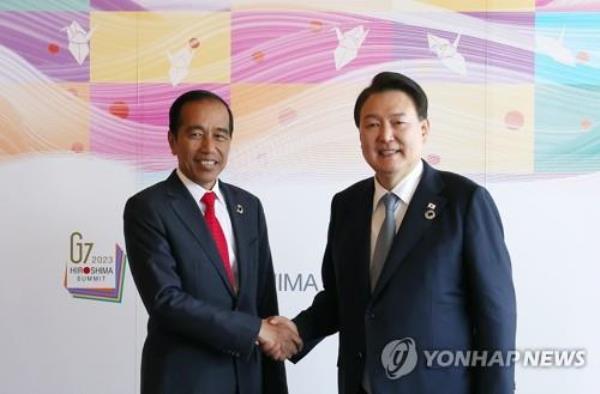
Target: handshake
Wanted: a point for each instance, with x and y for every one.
(278, 338)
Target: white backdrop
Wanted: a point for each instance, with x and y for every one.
(54, 343)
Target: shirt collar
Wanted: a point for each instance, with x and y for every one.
(198, 191)
(404, 190)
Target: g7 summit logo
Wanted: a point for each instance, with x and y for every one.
(399, 357)
(93, 275)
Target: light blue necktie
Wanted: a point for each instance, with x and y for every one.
(385, 237)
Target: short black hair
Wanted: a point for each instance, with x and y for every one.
(194, 95)
(386, 81)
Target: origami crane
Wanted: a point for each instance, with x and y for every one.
(555, 48)
(78, 41)
(448, 53)
(348, 45)
(180, 64)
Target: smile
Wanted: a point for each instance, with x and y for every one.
(207, 164)
(387, 152)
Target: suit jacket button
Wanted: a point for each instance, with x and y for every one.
(360, 355)
(372, 316)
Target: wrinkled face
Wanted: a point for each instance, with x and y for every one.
(391, 135)
(202, 141)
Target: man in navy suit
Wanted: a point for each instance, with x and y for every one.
(415, 261)
(200, 258)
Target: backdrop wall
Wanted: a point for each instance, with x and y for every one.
(514, 91)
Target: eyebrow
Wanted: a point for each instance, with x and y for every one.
(397, 114)
(194, 127)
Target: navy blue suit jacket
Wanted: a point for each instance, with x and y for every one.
(446, 284)
(201, 335)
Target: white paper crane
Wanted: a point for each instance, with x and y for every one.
(79, 41)
(448, 53)
(555, 48)
(348, 45)
(180, 64)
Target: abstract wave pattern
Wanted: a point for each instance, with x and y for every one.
(514, 90)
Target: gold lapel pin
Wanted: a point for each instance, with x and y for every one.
(430, 212)
(239, 209)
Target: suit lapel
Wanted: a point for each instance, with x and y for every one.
(360, 227)
(189, 213)
(237, 212)
(414, 225)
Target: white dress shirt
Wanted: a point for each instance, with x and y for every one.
(404, 190)
(221, 212)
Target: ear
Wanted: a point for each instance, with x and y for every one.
(172, 142)
(425, 125)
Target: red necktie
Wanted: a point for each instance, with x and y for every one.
(217, 233)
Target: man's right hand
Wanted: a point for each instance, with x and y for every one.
(278, 338)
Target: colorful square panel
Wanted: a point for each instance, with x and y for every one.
(567, 48)
(466, 5)
(315, 5)
(130, 121)
(567, 5)
(295, 128)
(44, 117)
(457, 140)
(160, 5)
(509, 133)
(54, 44)
(171, 47)
(45, 5)
(471, 53)
(301, 47)
(567, 128)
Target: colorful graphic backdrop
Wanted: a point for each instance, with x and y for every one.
(514, 90)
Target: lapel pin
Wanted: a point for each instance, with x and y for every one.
(430, 212)
(239, 209)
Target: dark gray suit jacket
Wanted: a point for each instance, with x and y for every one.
(201, 335)
(446, 284)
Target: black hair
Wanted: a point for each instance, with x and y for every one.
(194, 95)
(386, 81)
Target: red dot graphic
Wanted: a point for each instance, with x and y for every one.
(514, 120)
(316, 26)
(194, 43)
(77, 147)
(258, 56)
(86, 270)
(119, 109)
(53, 48)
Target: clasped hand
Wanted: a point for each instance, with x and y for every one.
(278, 338)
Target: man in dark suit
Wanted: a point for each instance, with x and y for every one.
(415, 261)
(200, 258)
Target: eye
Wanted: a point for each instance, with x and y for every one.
(371, 125)
(196, 134)
(221, 136)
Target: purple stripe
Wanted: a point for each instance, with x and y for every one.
(143, 134)
(299, 46)
(29, 34)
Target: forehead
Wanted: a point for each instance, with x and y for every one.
(204, 111)
(388, 102)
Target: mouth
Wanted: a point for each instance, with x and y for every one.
(387, 152)
(207, 164)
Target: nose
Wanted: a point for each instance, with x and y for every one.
(207, 144)
(386, 132)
